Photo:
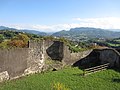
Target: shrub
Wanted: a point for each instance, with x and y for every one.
(74, 49)
(59, 86)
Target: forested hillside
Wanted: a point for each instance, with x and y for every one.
(84, 33)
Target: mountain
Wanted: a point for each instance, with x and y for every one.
(83, 33)
(6, 28)
(34, 32)
(24, 30)
(86, 33)
(117, 30)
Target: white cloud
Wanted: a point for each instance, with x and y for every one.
(44, 28)
(105, 23)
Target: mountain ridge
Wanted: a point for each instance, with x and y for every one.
(74, 33)
(86, 32)
(24, 30)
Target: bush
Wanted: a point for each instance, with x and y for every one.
(4, 44)
(1, 38)
(59, 86)
(74, 49)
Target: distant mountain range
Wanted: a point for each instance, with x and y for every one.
(34, 32)
(24, 30)
(7, 28)
(86, 33)
(74, 33)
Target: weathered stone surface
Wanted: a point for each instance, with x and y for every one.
(20, 62)
(14, 61)
(111, 56)
(71, 58)
(100, 56)
(4, 76)
(35, 60)
(55, 51)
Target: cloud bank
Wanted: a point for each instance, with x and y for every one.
(104, 23)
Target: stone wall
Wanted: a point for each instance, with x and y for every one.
(55, 51)
(36, 57)
(100, 56)
(14, 61)
(22, 61)
(71, 58)
(111, 56)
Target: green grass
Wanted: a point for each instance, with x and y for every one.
(118, 40)
(69, 78)
(111, 44)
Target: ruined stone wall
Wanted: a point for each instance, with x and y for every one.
(110, 55)
(13, 61)
(22, 61)
(47, 44)
(71, 58)
(57, 50)
(100, 56)
(53, 55)
(36, 57)
(18, 62)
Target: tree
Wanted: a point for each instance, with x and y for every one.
(17, 43)
(23, 37)
(1, 38)
(9, 34)
(20, 40)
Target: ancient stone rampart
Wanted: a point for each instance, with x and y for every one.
(13, 61)
(22, 61)
(100, 56)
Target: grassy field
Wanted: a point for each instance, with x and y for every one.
(112, 44)
(69, 79)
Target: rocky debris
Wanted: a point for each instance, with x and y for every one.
(4, 76)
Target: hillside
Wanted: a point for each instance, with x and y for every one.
(86, 33)
(24, 30)
(74, 34)
(6, 28)
(34, 32)
(112, 43)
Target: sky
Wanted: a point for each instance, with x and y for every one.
(56, 15)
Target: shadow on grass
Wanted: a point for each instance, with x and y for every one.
(78, 74)
(116, 69)
(116, 80)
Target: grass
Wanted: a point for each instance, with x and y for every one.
(68, 78)
(112, 44)
(118, 40)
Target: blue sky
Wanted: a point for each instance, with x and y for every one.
(54, 15)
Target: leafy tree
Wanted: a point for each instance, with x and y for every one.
(20, 40)
(1, 38)
(17, 43)
(9, 34)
